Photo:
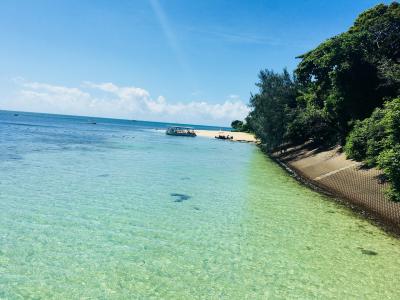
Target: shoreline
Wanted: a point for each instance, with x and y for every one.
(345, 181)
(244, 137)
(330, 173)
(357, 210)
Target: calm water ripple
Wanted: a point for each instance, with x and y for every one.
(119, 210)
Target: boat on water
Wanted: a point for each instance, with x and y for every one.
(224, 137)
(181, 131)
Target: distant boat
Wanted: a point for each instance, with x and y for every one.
(16, 115)
(222, 136)
(181, 131)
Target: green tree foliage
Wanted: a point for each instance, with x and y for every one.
(237, 125)
(340, 85)
(366, 140)
(311, 123)
(273, 107)
(351, 74)
(376, 140)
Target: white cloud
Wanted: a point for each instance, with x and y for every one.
(128, 102)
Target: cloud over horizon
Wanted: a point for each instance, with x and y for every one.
(126, 102)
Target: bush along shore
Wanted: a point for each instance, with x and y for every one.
(344, 93)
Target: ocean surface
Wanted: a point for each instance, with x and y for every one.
(119, 210)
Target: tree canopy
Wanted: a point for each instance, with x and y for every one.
(351, 74)
(272, 107)
(337, 85)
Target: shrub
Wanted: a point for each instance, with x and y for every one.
(389, 162)
(365, 141)
(237, 125)
(376, 140)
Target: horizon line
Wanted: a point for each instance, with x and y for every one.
(109, 118)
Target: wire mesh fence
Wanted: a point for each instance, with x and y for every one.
(365, 189)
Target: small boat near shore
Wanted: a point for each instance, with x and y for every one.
(222, 136)
(181, 131)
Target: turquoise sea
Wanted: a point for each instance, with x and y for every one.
(119, 210)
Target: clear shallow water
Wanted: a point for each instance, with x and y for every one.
(120, 210)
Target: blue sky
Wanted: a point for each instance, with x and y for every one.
(168, 60)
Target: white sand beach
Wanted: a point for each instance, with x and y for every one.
(237, 136)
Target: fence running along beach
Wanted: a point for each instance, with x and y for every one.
(360, 187)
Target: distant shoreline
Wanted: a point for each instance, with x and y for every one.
(237, 136)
